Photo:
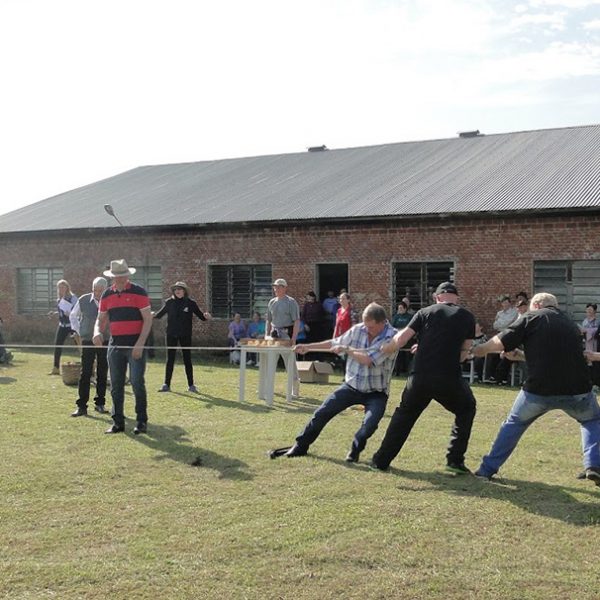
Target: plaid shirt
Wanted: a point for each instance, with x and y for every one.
(373, 378)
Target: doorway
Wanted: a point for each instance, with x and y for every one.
(331, 276)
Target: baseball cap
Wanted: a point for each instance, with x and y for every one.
(446, 288)
(281, 282)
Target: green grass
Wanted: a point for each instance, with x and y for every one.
(85, 515)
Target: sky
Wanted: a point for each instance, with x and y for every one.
(94, 88)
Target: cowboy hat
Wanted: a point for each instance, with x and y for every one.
(119, 268)
(180, 284)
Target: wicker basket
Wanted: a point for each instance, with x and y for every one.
(71, 372)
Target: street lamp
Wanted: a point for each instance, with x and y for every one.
(111, 211)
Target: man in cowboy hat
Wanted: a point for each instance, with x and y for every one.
(126, 307)
(180, 309)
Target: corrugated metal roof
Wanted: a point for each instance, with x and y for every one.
(522, 171)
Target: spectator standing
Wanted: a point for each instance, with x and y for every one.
(236, 331)
(589, 327)
(83, 318)
(5, 356)
(126, 307)
(558, 380)
(401, 319)
(330, 306)
(313, 316)
(283, 322)
(345, 316)
(65, 302)
(180, 309)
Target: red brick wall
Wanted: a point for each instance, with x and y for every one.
(491, 256)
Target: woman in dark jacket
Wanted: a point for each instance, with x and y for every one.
(179, 309)
(65, 302)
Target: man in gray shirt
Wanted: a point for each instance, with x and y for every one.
(83, 317)
(283, 322)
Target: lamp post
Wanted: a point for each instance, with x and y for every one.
(111, 211)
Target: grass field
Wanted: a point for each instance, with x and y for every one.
(86, 515)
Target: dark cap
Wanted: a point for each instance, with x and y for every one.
(446, 288)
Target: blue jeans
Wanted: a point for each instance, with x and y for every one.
(341, 399)
(118, 360)
(527, 408)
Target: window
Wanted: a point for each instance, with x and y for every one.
(418, 281)
(239, 289)
(573, 282)
(36, 289)
(150, 278)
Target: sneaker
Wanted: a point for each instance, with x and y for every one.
(140, 428)
(193, 389)
(593, 474)
(481, 475)
(352, 456)
(164, 388)
(373, 466)
(458, 469)
(100, 408)
(55, 371)
(115, 429)
(80, 412)
(296, 450)
(582, 475)
(249, 363)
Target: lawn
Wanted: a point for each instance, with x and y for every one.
(86, 515)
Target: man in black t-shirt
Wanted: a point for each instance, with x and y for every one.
(446, 333)
(558, 379)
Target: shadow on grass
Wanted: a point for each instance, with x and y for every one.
(554, 501)
(224, 402)
(171, 443)
(6, 380)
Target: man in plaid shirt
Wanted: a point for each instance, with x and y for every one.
(368, 374)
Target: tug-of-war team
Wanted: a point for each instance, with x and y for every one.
(112, 325)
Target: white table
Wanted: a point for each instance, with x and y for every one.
(267, 367)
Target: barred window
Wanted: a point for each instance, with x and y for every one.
(575, 283)
(150, 278)
(36, 289)
(239, 289)
(418, 281)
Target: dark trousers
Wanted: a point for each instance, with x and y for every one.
(118, 361)
(88, 357)
(341, 399)
(62, 333)
(454, 395)
(184, 340)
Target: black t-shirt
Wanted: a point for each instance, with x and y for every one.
(553, 351)
(179, 313)
(442, 330)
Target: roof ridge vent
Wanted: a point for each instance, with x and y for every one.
(469, 134)
(318, 148)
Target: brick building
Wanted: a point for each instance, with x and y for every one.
(497, 214)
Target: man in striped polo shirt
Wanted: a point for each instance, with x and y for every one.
(126, 307)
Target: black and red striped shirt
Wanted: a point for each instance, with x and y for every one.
(124, 312)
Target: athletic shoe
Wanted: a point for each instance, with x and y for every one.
(164, 388)
(458, 469)
(193, 389)
(352, 456)
(373, 466)
(481, 475)
(296, 450)
(140, 428)
(593, 474)
(55, 371)
(80, 412)
(582, 475)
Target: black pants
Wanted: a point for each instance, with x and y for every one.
(183, 340)
(88, 357)
(454, 395)
(62, 333)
